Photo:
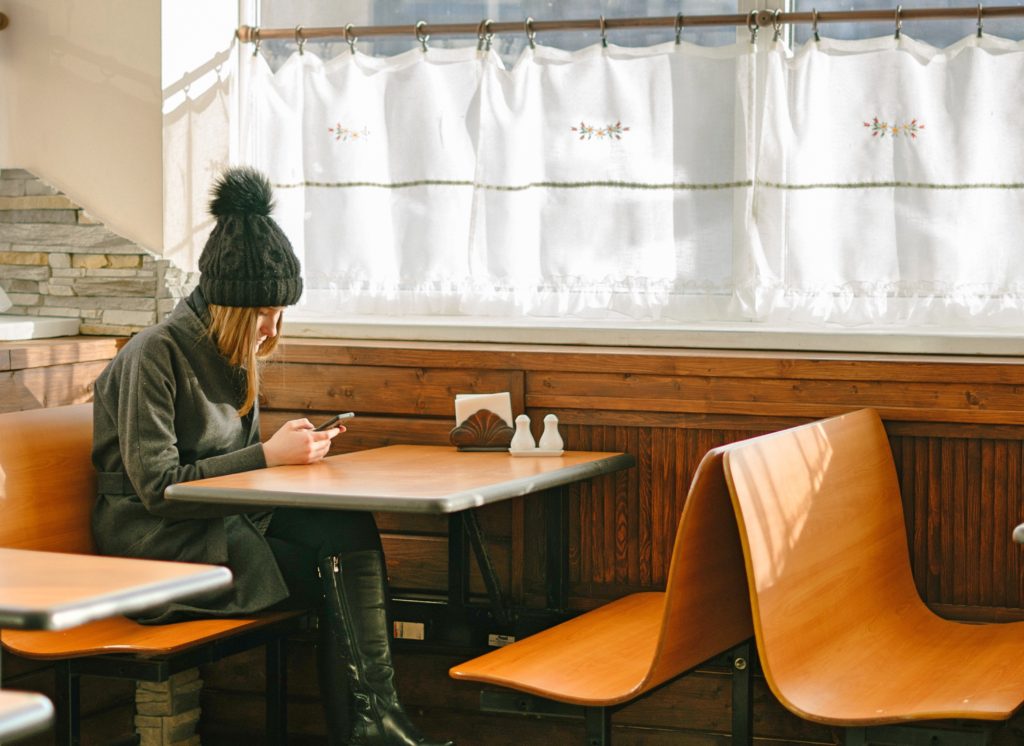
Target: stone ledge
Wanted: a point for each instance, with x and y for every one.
(59, 260)
(38, 202)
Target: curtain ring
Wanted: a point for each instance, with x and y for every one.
(899, 21)
(256, 41)
(979, 20)
(300, 40)
(679, 28)
(604, 31)
(814, 24)
(752, 25)
(484, 35)
(351, 38)
(421, 35)
(531, 35)
(776, 24)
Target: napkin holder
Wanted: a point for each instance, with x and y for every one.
(482, 431)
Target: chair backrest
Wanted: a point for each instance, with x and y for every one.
(821, 521)
(706, 609)
(47, 481)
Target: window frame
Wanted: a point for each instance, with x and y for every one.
(733, 335)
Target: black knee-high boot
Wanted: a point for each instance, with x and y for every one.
(334, 686)
(355, 605)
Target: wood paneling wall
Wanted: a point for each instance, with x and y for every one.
(51, 372)
(956, 426)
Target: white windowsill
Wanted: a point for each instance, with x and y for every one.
(721, 335)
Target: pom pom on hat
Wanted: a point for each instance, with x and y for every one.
(248, 260)
(241, 191)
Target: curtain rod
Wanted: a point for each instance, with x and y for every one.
(760, 19)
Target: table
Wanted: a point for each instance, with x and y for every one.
(438, 480)
(53, 591)
(22, 714)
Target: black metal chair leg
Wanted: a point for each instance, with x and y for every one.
(598, 722)
(276, 693)
(67, 715)
(742, 695)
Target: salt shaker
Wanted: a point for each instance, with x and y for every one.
(522, 440)
(550, 440)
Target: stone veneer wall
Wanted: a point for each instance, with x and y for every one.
(57, 261)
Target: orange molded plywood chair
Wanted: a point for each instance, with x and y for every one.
(47, 489)
(613, 654)
(842, 634)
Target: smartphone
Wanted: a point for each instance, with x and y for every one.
(333, 421)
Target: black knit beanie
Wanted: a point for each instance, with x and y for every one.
(247, 260)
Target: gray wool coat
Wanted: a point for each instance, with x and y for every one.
(165, 411)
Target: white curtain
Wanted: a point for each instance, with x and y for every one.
(869, 181)
(890, 184)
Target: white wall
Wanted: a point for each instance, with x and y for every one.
(123, 105)
(198, 62)
(80, 106)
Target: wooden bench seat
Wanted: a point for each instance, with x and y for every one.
(613, 654)
(47, 491)
(843, 636)
(122, 635)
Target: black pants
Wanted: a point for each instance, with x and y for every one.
(301, 537)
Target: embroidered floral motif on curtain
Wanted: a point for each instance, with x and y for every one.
(879, 128)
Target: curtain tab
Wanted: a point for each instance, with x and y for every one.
(421, 34)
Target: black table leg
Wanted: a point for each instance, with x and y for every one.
(556, 519)
(458, 567)
(483, 560)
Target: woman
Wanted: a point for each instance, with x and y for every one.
(179, 402)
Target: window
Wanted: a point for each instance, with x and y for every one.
(939, 33)
(276, 14)
(769, 213)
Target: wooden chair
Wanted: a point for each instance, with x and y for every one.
(47, 489)
(614, 654)
(842, 634)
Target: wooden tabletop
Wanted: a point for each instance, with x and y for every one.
(49, 590)
(414, 479)
(23, 713)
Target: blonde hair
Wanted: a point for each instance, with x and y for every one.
(235, 330)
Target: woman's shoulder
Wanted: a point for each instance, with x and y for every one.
(181, 328)
(149, 341)
(146, 350)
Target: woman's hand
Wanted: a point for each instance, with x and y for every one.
(298, 443)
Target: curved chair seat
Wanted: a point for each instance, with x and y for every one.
(122, 635)
(560, 664)
(842, 633)
(619, 651)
